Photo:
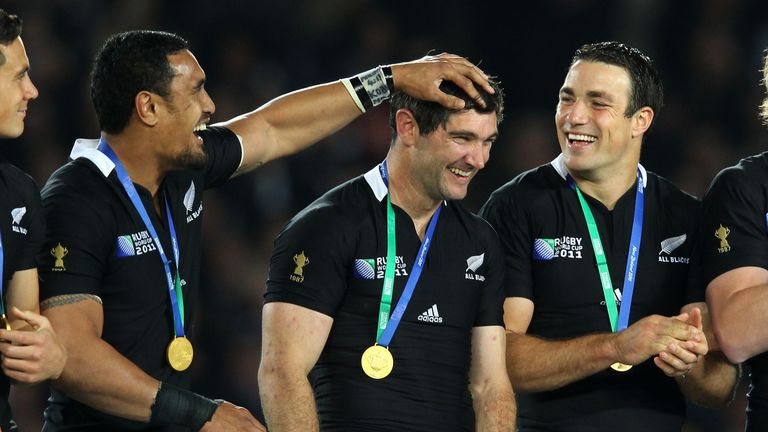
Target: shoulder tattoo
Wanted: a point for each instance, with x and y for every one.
(67, 299)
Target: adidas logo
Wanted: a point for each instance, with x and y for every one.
(431, 315)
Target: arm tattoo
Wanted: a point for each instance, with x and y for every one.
(67, 299)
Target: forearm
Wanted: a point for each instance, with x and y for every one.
(712, 382)
(292, 122)
(100, 377)
(287, 400)
(495, 410)
(536, 364)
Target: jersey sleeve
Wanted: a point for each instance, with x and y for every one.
(309, 264)
(77, 243)
(504, 215)
(224, 155)
(733, 230)
(491, 307)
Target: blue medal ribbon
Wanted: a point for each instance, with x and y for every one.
(389, 331)
(174, 289)
(630, 274)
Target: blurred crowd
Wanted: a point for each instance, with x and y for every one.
(708, 53)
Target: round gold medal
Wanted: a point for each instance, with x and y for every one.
(5, 322)
(180, 353)
(621, 367)
(377, 362)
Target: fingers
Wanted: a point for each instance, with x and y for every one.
(666, 368)
(422, 79)
(37, 321)
(20, 338)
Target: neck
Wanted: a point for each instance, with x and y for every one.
(136, 156)
(607, 189)
(408, 194)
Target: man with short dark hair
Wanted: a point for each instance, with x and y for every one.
(597, 251)
(733, 265)
(124, 222)
(393, 240)
(30, 349)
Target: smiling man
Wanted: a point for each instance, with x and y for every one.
(30, 349)
(393, 241)
(124, 222)
(597, 252)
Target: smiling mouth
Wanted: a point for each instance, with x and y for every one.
(199, 128)
(460, 172)
(580, 138)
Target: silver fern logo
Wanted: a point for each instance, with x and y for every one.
(189, 197)
(17, 214)
(669, 245)
(473, 263)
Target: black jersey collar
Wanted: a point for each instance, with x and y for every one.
(559, 165)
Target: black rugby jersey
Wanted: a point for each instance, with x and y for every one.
(22, 227)
(97, 244)
(550, 260)
(734, 233)
(331, 258)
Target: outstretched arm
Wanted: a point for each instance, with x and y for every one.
(298, 119)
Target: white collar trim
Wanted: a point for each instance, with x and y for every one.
(87, 148)
(559, 165)
(373, 177)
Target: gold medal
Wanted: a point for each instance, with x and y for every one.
(377, 362)
(180, 353)
(621, 367)
(5, 323)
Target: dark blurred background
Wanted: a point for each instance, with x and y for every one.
(708, 52)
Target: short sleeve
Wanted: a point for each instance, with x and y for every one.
(77, 244)
(733, 230)
(507, 219)
(224, 155)
(309, 264)
(491, 307)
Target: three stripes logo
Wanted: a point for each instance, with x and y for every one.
(431, 315)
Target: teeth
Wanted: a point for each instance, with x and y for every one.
(460, 172)
(200, 128)
(575, 137)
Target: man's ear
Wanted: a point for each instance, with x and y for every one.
(641, 121)
(146, 104)
(407, 128)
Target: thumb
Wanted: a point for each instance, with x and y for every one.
(682, 317)
(695, 319)
(36, 321)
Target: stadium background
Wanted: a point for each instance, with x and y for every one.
(708, 53)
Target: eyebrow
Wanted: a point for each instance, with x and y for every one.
(592, 94)
(470, 134)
